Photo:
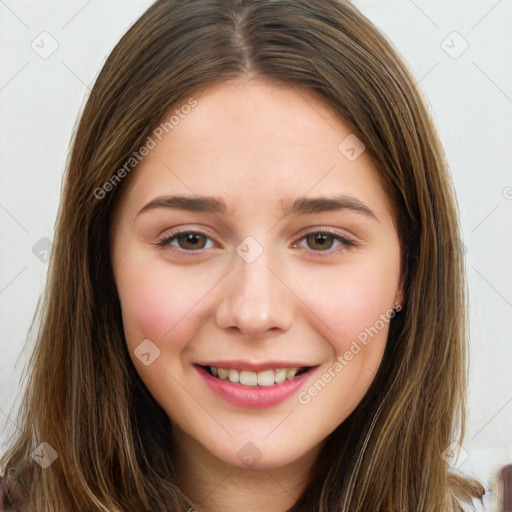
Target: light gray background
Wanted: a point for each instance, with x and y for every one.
(470, 94)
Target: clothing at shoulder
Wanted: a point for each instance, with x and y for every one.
(6, 497)
(475, 505)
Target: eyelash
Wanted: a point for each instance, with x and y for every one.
(347, 243)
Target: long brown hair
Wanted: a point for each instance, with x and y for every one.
(83, 396)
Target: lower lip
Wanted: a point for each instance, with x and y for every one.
(256, 397)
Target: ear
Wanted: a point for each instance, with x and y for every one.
(399, 297)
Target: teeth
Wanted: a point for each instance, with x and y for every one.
(291, 373)
(249, 378)
(266, 378)
(222, 373)
(280, 376)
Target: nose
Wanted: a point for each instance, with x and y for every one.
(256, 299)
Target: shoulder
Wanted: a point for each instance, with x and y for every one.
(476, 505)
(6, 500)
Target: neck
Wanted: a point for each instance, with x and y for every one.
(213, 485)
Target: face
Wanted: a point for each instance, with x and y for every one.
(249, 246)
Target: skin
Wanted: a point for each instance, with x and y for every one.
(252, 143)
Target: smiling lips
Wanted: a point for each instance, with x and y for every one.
(269, 377)
(257, 387)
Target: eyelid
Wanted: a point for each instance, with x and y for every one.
(327, 231)
(164, 240)
(347, 242)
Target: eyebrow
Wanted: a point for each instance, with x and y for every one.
(296, 207)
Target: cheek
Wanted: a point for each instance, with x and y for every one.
(159, 304)
(162, 305)
(350, 301)
(355, 312)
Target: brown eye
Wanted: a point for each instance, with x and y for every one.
(320, 241)
(191, 241)
(187, 241)
(325, 243)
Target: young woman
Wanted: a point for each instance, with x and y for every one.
(255, 300)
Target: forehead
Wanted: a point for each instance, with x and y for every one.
(254, 141)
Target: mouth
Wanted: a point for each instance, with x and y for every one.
(248, 378)
(255, 386)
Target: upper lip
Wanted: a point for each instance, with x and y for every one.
(256, 366)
